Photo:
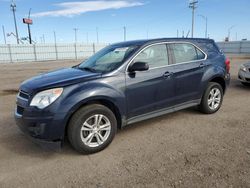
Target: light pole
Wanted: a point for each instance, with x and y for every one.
(4, 36)
(13, 8)
(193, 6)
(87, 36)
(229, 31)
(205, 18)
(125, 33)
(97, 35)
(55, 38)
(75, 29)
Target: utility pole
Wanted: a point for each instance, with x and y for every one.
(4, 36)
(177, 33)
(75, 29)
(125, 33)
(205, 18)
(97, 35)
(193, 6)
(13, 9)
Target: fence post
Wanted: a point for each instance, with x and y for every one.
(10, 54)
(240, 50)
(34, 49)
(75, 52)
(93, 48)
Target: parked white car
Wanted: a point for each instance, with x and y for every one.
(244, 74)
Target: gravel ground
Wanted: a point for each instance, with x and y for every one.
(182, 149)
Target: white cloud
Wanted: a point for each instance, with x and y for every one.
(76, 8)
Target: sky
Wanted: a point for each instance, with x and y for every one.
(142, 18)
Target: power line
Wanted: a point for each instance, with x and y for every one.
(193, 6)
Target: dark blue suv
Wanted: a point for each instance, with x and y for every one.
(122, 84)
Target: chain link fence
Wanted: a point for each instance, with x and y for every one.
(46, 52)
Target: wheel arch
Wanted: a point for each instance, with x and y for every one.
(97, 100)
(220, 80)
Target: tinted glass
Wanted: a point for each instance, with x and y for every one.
(155, 56)
(186, 52)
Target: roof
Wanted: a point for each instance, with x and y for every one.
(149, 41)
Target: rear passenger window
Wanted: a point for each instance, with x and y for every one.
(155, 56)
(186, 52)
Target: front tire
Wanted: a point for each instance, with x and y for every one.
(92, 128)
(212, 98)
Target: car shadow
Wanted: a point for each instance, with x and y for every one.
(18, 143)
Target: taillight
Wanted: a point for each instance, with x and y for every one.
(227, 63)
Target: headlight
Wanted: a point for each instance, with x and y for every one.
(243, 68)
(43, 99)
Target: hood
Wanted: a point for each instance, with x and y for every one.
(58, 78)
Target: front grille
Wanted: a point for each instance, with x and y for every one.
(24, 95)
(19, 110)
(248, 79)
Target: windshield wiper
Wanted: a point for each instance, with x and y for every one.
(87, 69)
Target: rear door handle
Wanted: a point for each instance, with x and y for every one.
(167, 74)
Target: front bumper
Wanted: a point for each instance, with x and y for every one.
(244, 76)
(45, 127)
(40, 130)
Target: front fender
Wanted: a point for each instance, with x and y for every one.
(78, 95)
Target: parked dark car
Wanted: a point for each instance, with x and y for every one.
(122, 84)
(244, 74)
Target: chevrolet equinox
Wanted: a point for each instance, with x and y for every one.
(122, 84)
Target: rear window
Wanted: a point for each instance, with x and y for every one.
(184, 52)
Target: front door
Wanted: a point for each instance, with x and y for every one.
(151, 90)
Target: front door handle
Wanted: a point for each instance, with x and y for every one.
(202, 65)
(167, 74)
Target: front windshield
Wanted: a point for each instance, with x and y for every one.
(108, 59)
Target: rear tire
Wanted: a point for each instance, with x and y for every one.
(92, 128)
(212, 98)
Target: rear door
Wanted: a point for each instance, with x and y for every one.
(189, 63)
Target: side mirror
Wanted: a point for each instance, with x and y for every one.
(138, 66)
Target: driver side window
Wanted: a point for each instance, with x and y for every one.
(155, 56)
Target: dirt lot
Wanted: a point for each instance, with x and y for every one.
(183, 149)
